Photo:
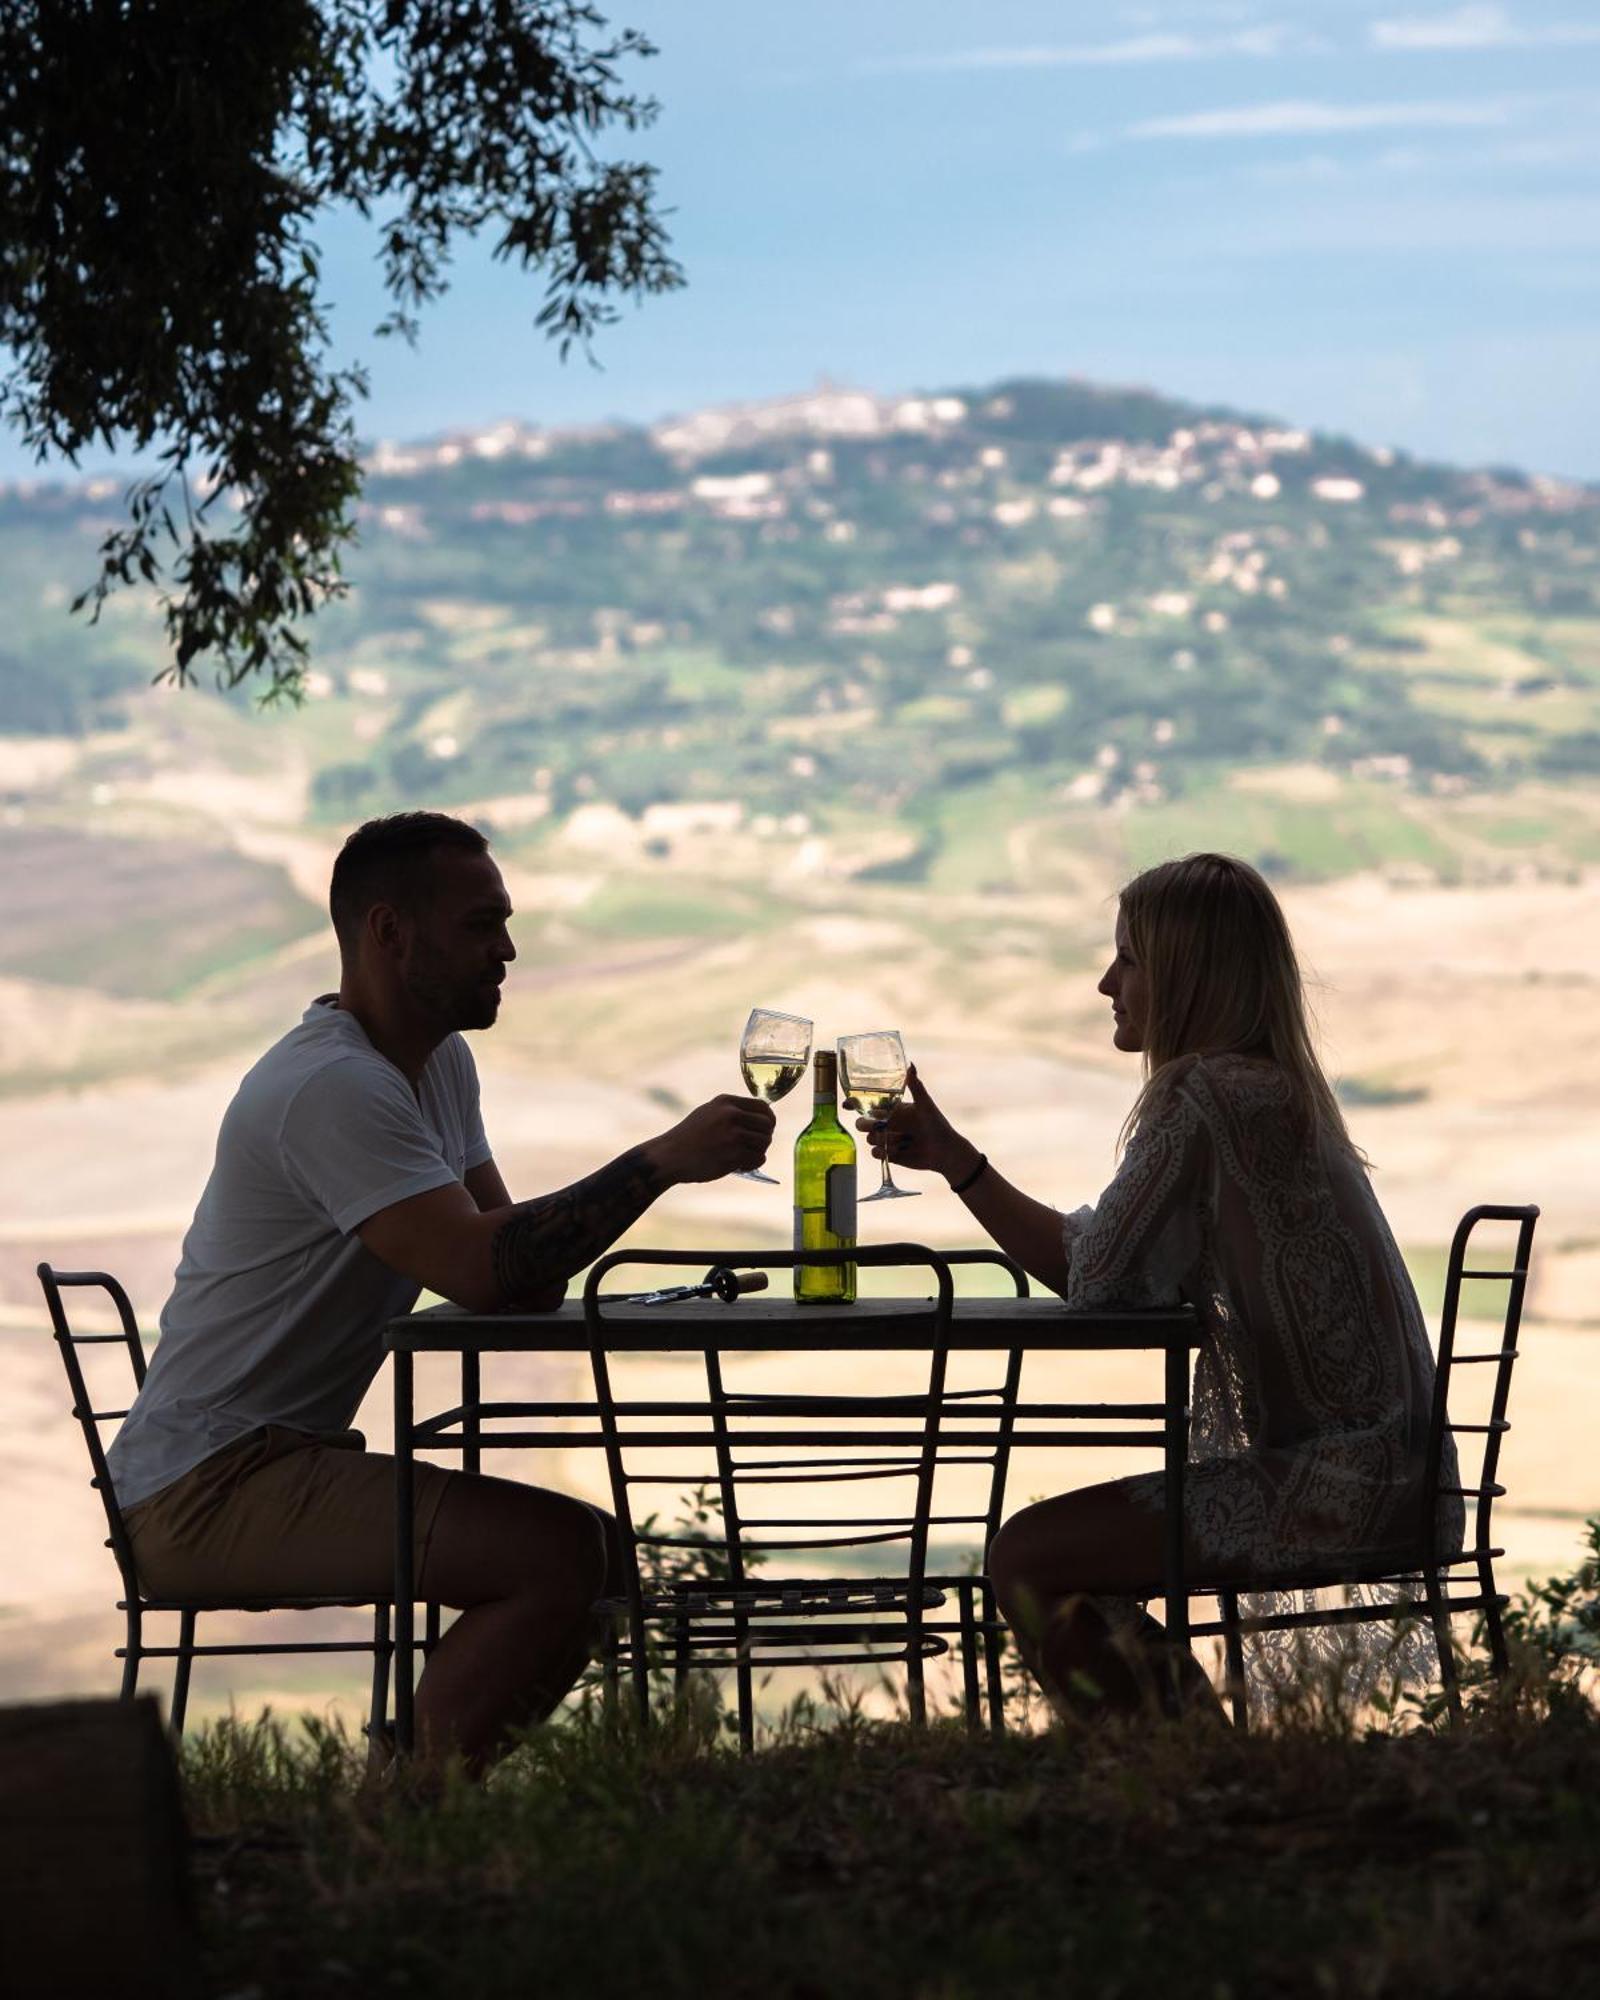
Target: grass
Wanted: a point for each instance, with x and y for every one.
(859, 1857)
(1531, 820)
(870, 1859)
(139, 919)
(975, 823)
(632, 910)
(1470, 649)
(1570, 644)
(1367, 1091)
(1365, 827)
(1427, 1264)
(698, 674)
(1557, 712)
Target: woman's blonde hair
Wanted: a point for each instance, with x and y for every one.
(1221, 977)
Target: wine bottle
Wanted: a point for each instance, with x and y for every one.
(825, 1192)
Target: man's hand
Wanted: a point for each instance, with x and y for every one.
(727, 1135)
(917, 1134)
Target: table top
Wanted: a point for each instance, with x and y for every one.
(765, 1324)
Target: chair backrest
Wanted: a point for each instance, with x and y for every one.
(1514, 1277)
(89, 1417)
(987, 1414)
(712, 1441)
(1001, 1399)
(746, 1446)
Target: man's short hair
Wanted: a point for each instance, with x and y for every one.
(387, 861)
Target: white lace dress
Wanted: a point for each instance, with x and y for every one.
(1313, 1381)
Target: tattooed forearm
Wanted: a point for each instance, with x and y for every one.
(542, 1243)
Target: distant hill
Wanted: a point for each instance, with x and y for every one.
(857, 706)
(839, 604)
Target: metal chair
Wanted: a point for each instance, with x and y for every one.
(136, 1603)
(1428, 1583)
(727, 1617)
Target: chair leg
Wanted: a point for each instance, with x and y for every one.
(430, 1630)
(972, 1700)
(744, 1681)
(639, 1667)
(916, 1664)
(180, 1675)
(1498, 1657)
(680, 1648)
(382, 1650)
(132, 1653)
(993, 1653)
(1233, 1643)
(610, 1671)
(1445, 1640)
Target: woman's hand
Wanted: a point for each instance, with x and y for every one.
(918, 1135)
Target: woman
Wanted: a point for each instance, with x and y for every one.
(1241, 1192)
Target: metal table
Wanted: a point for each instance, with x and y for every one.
(602, 1326)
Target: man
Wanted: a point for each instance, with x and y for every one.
(351, 1171)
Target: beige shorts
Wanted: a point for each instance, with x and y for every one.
(282, 1513)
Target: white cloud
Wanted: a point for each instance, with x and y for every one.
(1580, 151)
(1479, 228)
(1162, 13)
(1304, 117)
(1478, 26)
(1313, 169)
(1442, 162)
(1265, 41)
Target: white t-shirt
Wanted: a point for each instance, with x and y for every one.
(278, 1309)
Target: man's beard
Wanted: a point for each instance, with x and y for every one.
(453, 1003)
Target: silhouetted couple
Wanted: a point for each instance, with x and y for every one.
(352, 1170)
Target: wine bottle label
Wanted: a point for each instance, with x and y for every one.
(842, 1202)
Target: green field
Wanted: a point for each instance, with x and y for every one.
(140, 919)
(1365, 827)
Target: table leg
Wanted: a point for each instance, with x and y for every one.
(1176, 1443)
(971, 1699)
(472, 1422)
(404, 1559)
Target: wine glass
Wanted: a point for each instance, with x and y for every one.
(873, 1071)
(773, 1052)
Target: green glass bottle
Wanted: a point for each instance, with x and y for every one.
(825, 1192)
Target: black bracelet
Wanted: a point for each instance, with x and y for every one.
(960, 1187)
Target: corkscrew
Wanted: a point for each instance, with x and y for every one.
(719, 1283)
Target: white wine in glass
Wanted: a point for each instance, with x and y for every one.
(770, 1080)
(774, 1052)
(872, 1069)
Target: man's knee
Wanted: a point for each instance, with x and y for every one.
(493, 1540)
(569, 1555)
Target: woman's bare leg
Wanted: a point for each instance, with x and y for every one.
(524, 1567)
(1050, 1563)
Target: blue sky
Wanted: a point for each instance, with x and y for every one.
(1380, 217)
